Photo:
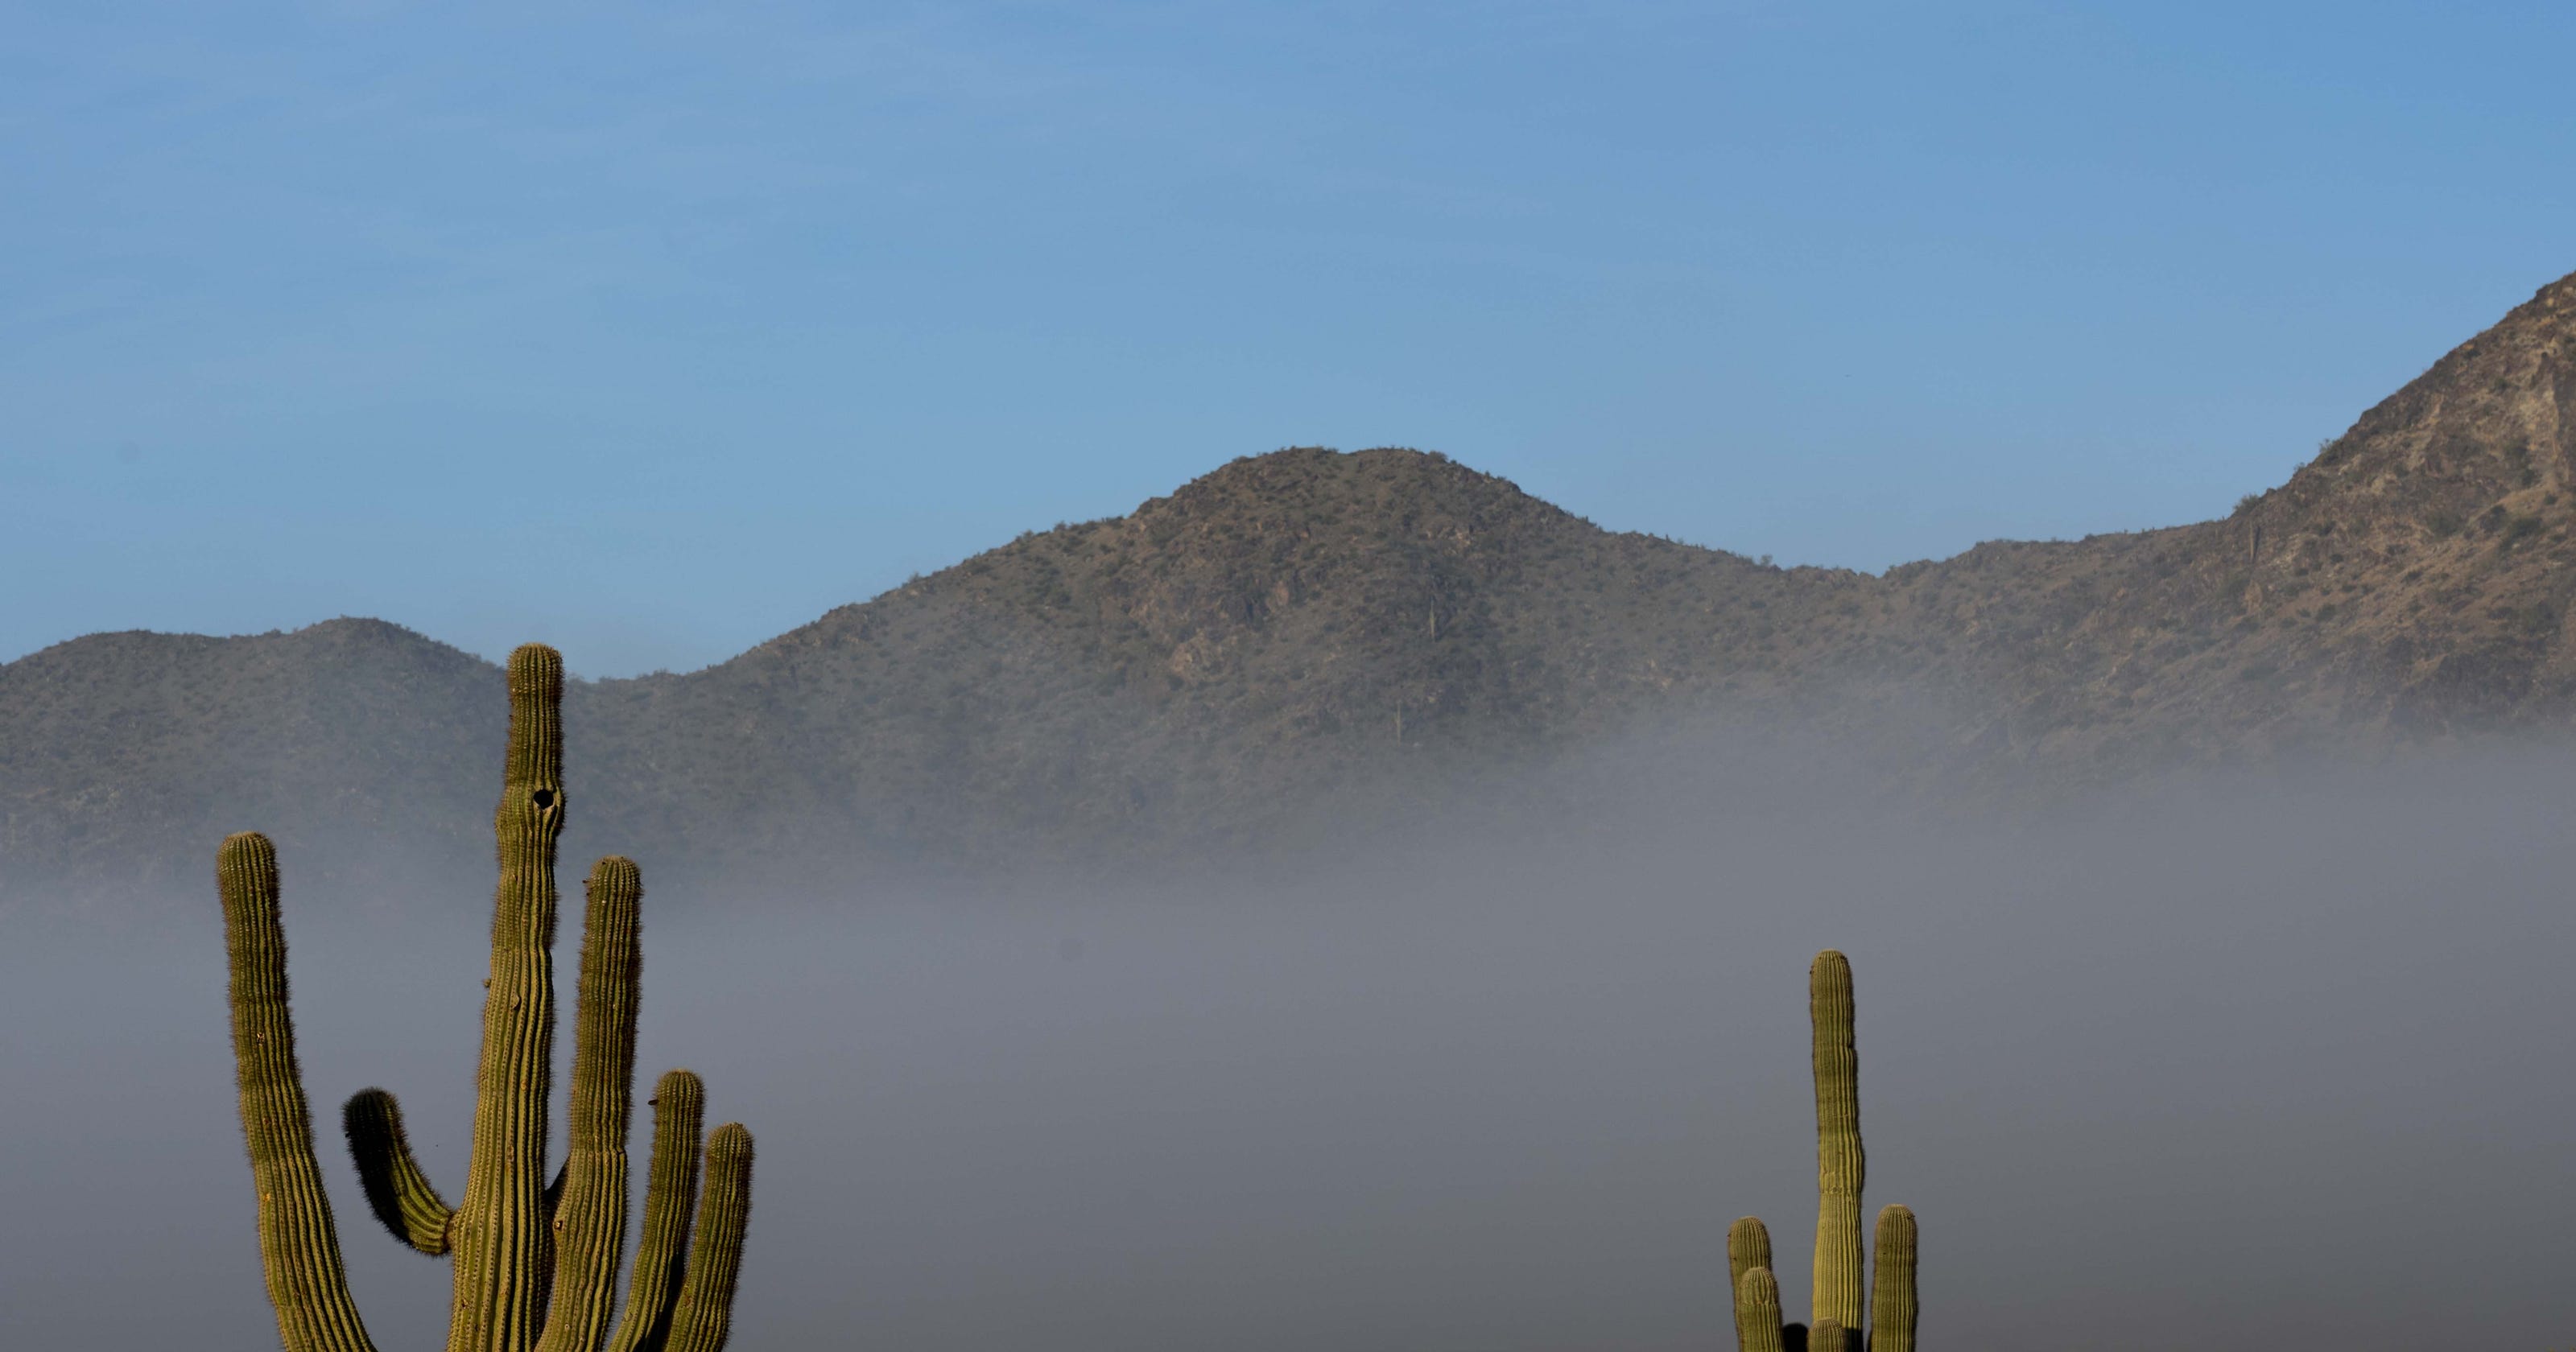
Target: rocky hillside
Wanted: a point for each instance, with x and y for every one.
(1305, 639)
(2412, 582)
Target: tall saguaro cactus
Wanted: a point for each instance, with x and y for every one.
(1839, 1161)
(1836, 1299)
(535, 1264)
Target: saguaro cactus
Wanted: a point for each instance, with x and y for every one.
(535, 1265)
(1837, 1318)
(1835, 1298)
(1748, 1246)
(1891, 1283)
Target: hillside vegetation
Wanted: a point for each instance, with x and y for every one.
(1303, 639)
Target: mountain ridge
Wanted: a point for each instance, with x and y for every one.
(1301, 636)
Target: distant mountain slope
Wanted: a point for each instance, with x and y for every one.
(121, 755)
(1302, 636)
(2411, 582)
(1204, 673)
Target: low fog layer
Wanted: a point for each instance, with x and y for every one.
(2228, 1066)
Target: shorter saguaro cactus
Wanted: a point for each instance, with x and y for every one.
(1757, 1311)
(1840, 1169)
(535, 1264)
(1891, 1287)
(1748, 1246)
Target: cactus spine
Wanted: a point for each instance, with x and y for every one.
(535, 1264)
(1840, 1170)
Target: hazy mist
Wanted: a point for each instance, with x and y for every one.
(2234, 1064)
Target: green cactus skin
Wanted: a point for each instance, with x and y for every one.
(535, 1263)
(299, 1249)
(1891, 1283)
(1748, 1246)
(1829, 1336)
(1757, 1311)
(1839, 1164)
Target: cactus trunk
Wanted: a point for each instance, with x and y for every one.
(498, 1230)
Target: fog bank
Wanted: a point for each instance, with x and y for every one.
(2233, 1065)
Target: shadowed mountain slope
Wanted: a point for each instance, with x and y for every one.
(1304, 640)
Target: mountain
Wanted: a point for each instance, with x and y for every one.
(1305, 640)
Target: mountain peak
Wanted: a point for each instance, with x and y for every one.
(1390, 478)
(2513, 385)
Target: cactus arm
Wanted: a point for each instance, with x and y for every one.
(1839, 1163)
(705, 1312)
(670, 1198)
(499, 1229)
(1891, 1290)
(1829, 1336)
(299, 1249)
(1748, 1246)
(402, 1197)
(1757, 1311)
(589, 1222)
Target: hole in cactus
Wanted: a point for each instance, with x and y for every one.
(545, 798)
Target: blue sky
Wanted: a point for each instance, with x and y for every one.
(655, 330)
